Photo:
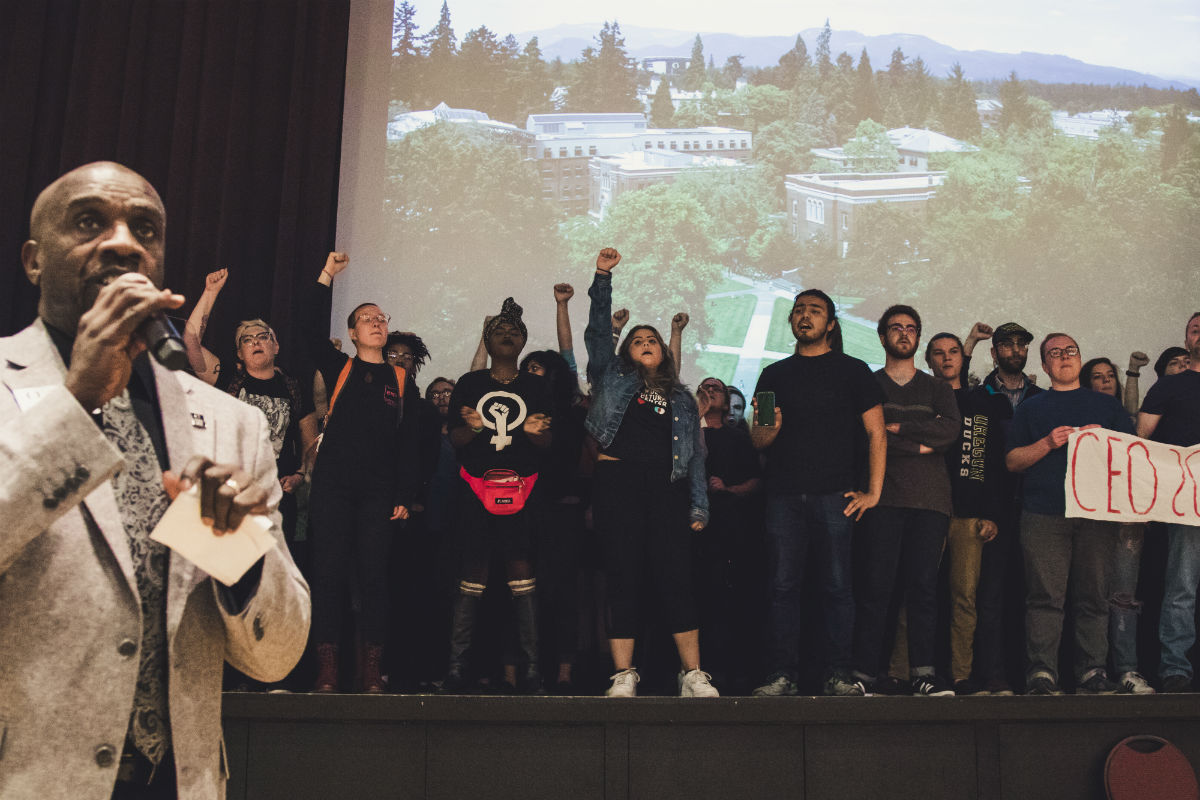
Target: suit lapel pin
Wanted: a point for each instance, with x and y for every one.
(198, 421)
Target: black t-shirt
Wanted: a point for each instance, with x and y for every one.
(645, 432)
(503, 444)
(822, 399)
(372, 434)
(1177, 399)
(361, 433)
(276, 401)
(731, 457)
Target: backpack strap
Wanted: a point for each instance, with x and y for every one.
(401, 377)
(337, 387)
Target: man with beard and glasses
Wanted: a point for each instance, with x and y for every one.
(1171, 414)
(903, 536)
(999, 601)
(813, 495)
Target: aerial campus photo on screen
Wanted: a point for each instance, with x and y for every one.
(734, 170)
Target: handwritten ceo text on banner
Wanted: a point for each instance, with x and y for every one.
(1119, 477)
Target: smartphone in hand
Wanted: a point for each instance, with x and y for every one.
(766, 409)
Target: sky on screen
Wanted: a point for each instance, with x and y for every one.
(1161, 37)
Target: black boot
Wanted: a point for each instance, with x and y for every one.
(529, 677)
(461, 625)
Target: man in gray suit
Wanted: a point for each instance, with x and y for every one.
(112, 647)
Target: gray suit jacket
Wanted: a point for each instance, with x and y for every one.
(70, 621)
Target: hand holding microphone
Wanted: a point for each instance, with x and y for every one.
(117, 328)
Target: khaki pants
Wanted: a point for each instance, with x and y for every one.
(966, 553)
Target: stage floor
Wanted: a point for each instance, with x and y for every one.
(300, 746)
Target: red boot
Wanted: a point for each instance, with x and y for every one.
(327, 669)
(372, 670)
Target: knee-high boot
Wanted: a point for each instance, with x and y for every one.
(529, 678)
(461, 625)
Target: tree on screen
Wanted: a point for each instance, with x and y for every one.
(866, 95)
(670, 255)
(439, 77)
(606, 78)
(959, 115)
(731, 73)
(696, 74)
(823, 54)
(468, 226)
(481, 69)
(764, 105)
(1016, 110)
(792, 65)
(839, 96)
(406, 55)
(871, 150)
(662, 110)
(782, 148)
(533, 83)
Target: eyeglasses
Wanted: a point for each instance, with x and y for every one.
(379, 319)
(1013, 344)
(392, 356)
(265, 336)
(441, 393)
(1062, 352)
(897, 328)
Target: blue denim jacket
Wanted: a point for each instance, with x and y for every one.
(613, 386)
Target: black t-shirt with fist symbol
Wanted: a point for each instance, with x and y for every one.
(504, 407)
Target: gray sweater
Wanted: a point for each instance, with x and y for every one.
(928, 415)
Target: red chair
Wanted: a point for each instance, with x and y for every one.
(1149, 767)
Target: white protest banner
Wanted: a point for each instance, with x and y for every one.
(1119, 477)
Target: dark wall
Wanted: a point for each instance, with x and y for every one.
(231, 109)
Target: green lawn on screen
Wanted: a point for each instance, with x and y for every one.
(729, 318)
(719, 365)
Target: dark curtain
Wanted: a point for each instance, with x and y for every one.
(231, 109)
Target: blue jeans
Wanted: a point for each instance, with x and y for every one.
(796, 525)
(1124, 607)
(1177, 625)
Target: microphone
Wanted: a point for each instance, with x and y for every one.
(164, 342)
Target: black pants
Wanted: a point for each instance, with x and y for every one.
(350, 529)
(642, 521)
(558, 535)
(903, 543)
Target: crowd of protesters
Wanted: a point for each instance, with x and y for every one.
(845, 533)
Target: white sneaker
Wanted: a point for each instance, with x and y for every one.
(1133, 683)
(696, 683)
(624, 683)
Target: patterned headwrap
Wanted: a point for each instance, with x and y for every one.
(511, 313)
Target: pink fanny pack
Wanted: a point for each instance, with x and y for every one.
(501, 491)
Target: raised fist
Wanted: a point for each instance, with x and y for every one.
(980, 331)
(336, 262)
(213, 281)
(680, 321)
(619, 318)
(608, 258)
(563, 292)
(1137, 360)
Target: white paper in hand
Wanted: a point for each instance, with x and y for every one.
(226, 558)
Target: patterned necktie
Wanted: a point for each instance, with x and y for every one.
(142, 500)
